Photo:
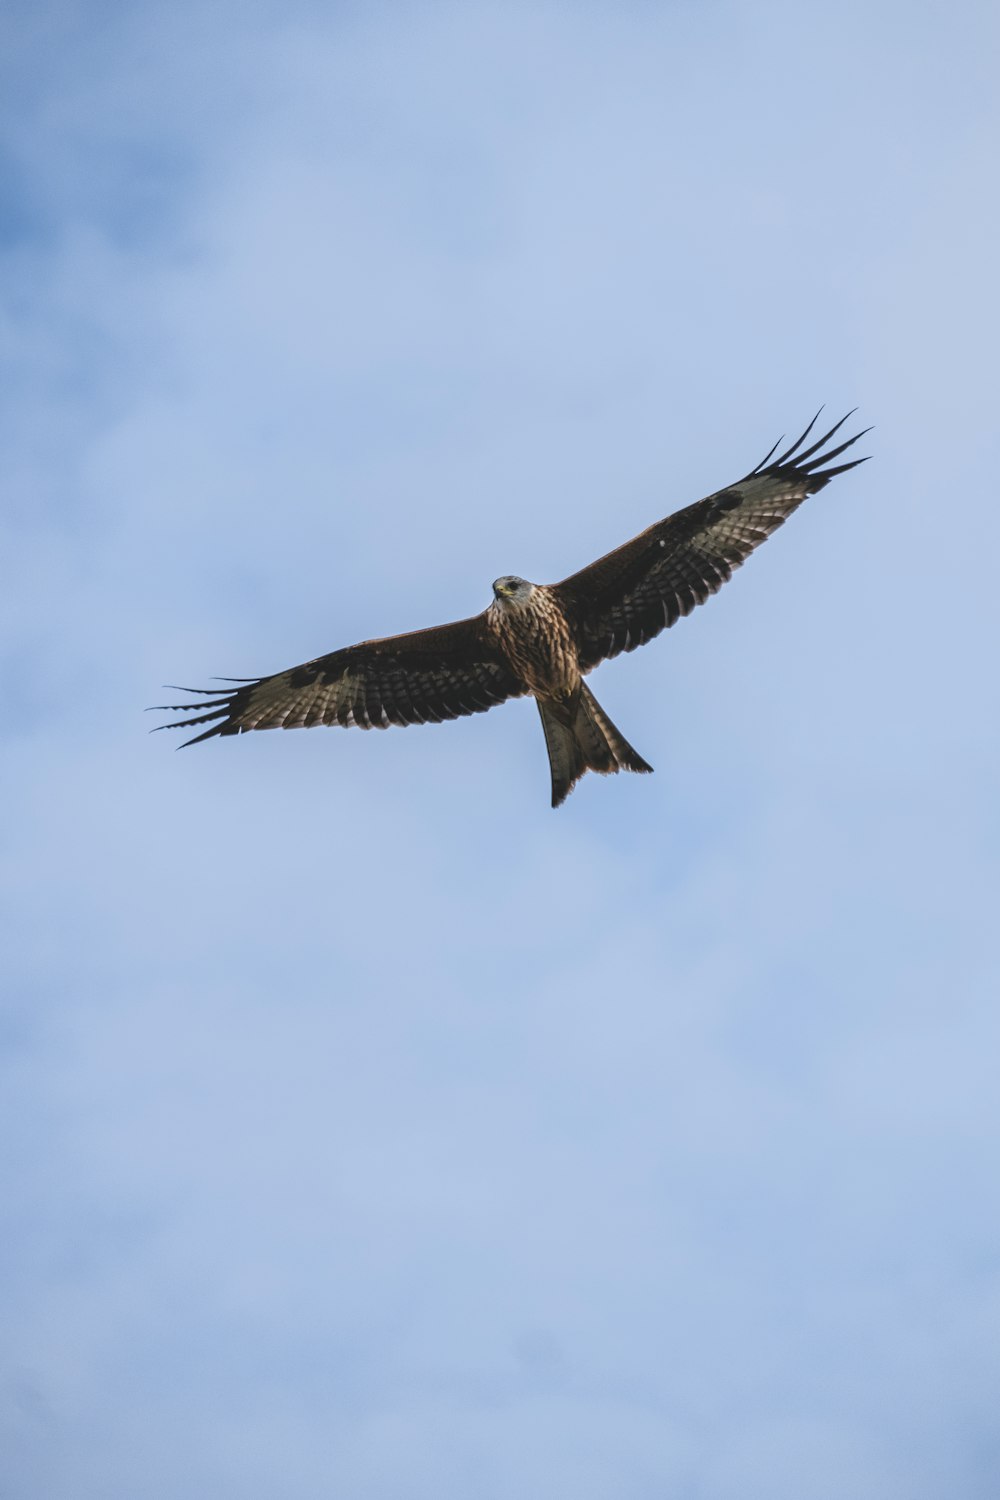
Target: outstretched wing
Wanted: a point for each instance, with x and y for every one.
(626, 598)
(419, 678)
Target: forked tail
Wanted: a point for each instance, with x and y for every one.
(580, 737)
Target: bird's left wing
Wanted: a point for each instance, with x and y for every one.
(629, 596)
(420, 678)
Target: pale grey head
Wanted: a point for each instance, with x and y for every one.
(511, 590)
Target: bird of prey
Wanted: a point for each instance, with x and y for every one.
(538, 639)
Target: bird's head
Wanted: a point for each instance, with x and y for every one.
(512, 590)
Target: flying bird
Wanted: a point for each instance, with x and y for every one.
(538, 639)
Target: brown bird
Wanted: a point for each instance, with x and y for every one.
(540, 639)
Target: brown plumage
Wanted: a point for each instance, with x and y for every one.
(538, 639)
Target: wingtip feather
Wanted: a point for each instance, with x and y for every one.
(809, 461)
(799, 441)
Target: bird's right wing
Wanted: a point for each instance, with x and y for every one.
(629, 596)
(420, 678)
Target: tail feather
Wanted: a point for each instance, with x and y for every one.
(580, 737)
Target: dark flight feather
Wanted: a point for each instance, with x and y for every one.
(420, 678)
(630, 595)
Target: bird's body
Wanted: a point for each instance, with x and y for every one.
(539, 639)
(533, 633)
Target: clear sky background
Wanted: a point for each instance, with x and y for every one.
(369, 1129)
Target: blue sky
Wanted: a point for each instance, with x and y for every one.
(369, 1129)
